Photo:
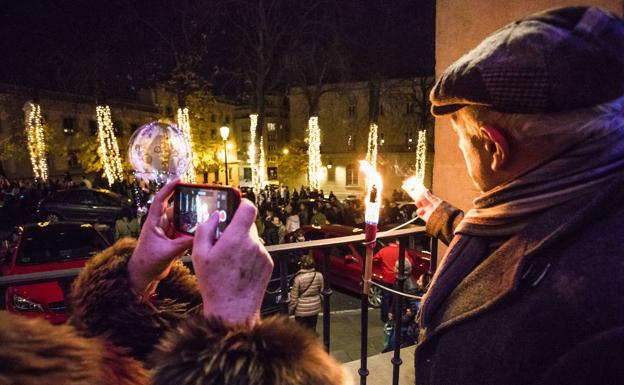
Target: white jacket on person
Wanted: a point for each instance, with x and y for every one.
(305, 294)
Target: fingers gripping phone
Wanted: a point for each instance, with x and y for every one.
(193, 204)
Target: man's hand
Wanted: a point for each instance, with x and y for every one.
(233, 273)
(427, 203)
(158, 244)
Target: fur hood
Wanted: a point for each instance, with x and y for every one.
(274, 351)
(103, 303)
(34, 352)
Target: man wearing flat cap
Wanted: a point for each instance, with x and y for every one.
(531, 289)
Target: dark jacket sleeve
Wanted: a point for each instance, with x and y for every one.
(275, 350)
(443, 221)
(597, 360)
(103, 303)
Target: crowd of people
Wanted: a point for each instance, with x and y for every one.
(282, 211)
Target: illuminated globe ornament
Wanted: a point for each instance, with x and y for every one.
(158, 152)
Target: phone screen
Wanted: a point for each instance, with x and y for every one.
(194, 204)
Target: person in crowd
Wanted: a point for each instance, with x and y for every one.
(139, 316)
(530, 288)
(292, 219)
(126, 225)
(281, 229)
(85, 182)
(271, 232)
(318, 218)
(304, 215)
(306, 293)
(385, 258)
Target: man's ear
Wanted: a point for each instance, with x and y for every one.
(497, 144)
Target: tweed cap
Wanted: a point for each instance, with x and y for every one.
(557, 60)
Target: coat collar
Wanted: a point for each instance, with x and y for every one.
(500, 273)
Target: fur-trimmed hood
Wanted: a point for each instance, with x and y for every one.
(34, 352)
(274, 351)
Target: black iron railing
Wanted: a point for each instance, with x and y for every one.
(280, 254)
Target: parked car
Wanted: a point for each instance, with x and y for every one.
(83, 205)
(43, 247)
(346, 261)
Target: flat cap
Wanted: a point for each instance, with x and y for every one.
(553, 61)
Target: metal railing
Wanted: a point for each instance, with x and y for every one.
(280, 254)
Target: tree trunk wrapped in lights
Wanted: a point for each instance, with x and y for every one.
(262, 165)
(371, 149)
(108, 150)
(421, 155)
(36, 140)
(185, 126)
(253, 124)
(314, 153)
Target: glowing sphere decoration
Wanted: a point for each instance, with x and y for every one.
(158, 152)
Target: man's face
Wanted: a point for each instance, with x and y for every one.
(478, 160)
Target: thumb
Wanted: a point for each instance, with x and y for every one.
(183, 242)
(206, 233)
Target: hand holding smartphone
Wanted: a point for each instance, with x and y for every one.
(193, 204)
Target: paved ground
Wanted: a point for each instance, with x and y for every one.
(345, 342)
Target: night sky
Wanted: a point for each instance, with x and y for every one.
(113, 48)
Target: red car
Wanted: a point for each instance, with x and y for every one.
(44, 247)
(346, 261)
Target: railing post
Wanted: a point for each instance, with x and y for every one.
(433, 262)
(398, 312)
(363, 371)
(327, 292)
(285, 299)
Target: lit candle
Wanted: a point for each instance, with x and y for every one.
(414, 187)
(372, 203)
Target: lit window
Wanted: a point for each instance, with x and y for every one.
(352, 175)
(270, 127)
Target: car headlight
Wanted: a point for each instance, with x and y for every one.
(24, 304)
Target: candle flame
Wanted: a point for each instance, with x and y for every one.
(414, 187)
(374, 185)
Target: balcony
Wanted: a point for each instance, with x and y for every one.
(282, 255)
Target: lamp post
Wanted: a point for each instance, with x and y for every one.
(225, 132)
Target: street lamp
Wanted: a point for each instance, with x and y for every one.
(225, 132)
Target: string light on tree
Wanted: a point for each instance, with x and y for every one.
(371, 152)
(36, 140)
(421, 155)
(314, 153)
(184, 125)
(262, 166)
(108, 150)
(253, 123)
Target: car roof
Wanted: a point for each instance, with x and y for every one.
(56, 226)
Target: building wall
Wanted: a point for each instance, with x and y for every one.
(344, 123)
(460, 26)
(70, 119)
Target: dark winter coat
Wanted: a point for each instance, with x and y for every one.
(546, 307)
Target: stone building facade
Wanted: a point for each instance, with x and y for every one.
(343, 115)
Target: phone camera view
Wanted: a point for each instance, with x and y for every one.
(196, 205)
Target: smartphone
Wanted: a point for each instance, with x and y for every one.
(193, 204)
